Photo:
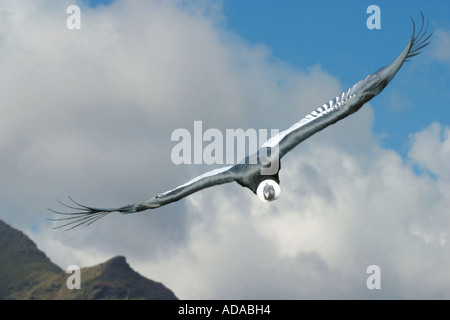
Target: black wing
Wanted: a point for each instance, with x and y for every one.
(88, 215)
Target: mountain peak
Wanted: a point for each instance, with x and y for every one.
(117, 262)
(27, 273)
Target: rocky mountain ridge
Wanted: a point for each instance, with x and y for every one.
(27, 273)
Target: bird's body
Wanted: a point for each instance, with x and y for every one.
(259, 172)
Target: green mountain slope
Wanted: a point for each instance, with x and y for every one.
(27, 273)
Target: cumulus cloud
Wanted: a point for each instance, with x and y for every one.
(431, 150)
(90, 113)
(442, 47)
(339, 213)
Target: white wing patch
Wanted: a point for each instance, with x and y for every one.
(331, 106)
(205, 175)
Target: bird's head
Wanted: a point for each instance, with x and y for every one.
(268, 190)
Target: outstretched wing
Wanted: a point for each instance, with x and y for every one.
(84, 214)
(349, 101)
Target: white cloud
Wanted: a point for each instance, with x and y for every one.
(431, 150)
(90, 113)
(442, 47)
(338, 214)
